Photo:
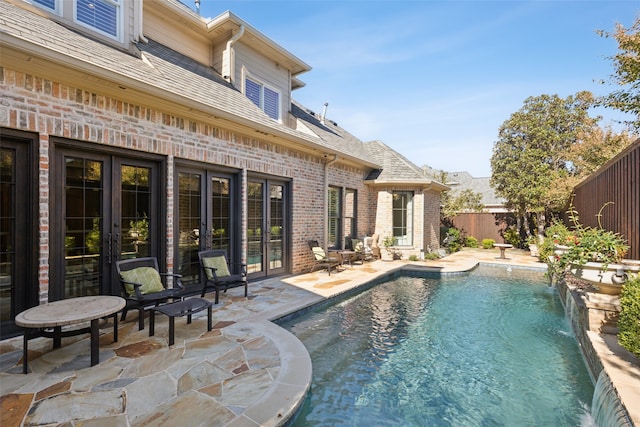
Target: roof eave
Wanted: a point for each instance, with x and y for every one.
(428, 185)
(27, 49)
(299, 66)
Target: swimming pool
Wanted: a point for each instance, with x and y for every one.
(489, 348)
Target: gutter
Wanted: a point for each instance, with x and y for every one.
(139, 23)
(24, 48)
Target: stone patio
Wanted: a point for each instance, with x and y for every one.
(246, 372)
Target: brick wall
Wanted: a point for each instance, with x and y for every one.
(32, 103)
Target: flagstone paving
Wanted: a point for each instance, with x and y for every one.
(247, 371)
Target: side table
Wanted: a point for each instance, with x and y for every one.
(183, 308)
(346, 255)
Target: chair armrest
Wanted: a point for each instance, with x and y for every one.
(243, 267)
(178, 280)
(213, 273)
(136, 289)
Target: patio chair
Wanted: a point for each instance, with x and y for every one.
(144, 286)
(368, 248)
(361, 251)
(375, 246)
(218, 275)
(321, 258)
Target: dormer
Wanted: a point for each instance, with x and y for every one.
(255, 65)
(262, 70)
(114, 22)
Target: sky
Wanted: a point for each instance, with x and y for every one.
(436, 79)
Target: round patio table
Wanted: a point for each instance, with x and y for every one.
(48, 319)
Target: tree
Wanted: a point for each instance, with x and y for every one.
(595, 149)
(627, 72)
(453, 204)
(529, 159)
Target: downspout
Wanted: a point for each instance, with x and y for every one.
(244, 216)
(231, 54)
(325, 233)
(139, 23)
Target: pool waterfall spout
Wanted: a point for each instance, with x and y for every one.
(584, 311)
(606, 408)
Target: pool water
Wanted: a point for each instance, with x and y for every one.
(492, 348)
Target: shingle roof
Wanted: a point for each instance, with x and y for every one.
(176, 77)
(459, 181)
(332, 136)
(395, 167)
(161, 70)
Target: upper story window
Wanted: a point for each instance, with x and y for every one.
(102, 16)
(264, 97)
(49, 4)
(99, 14)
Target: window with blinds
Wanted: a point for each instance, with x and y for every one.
(99, 14)
(267, 99)
(102, 16)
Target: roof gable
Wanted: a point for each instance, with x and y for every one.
(396, 168)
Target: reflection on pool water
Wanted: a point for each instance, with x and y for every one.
(492, 348)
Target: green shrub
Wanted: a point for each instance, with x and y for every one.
(431, 256)
(556, 234)
(629, 320)
(452, 241)
(487, 243)
(471, 242)
(413, 257)
(512, 237)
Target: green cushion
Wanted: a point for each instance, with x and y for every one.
(319, 253)
(148, 277)
(357, 245)
(217, 262)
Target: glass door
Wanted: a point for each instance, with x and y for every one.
(83, 224)
(266, 228)
(18, 284)
(109, 210)
(204, 219)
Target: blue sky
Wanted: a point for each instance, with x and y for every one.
(432, 79)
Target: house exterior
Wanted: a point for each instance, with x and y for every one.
(132, 128)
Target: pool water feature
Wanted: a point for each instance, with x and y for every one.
(489, 348)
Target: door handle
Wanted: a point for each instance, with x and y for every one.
(109, 249)
(116, 246)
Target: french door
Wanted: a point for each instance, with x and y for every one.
(105, 208)
(18, 229)
(267, 227)
(206, 218)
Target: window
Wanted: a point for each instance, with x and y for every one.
(333, 223)
(49, 4)
(103, 16)
(403, 217)
(264, 97)
(350, 213)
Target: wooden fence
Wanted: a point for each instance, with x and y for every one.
(618, 182)
(483, 225)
